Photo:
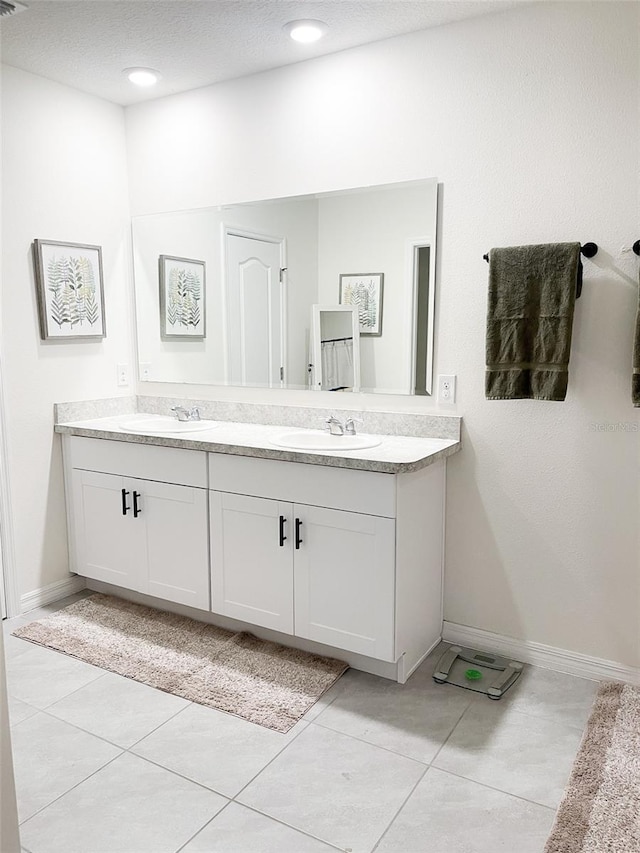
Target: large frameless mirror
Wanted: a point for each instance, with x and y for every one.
(224, 294)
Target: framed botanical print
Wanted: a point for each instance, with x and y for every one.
(364, 291)
(70, 290)
(182, 291)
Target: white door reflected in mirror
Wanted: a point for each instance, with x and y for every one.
(254, 329)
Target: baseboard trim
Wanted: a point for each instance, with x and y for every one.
(538, 654)
(52, 592)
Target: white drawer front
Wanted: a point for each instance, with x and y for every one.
(338, 488)
(141, 461)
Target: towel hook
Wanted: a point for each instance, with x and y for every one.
(589, 250)
(636, 247)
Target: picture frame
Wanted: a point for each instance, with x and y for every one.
(364, 290)
(69, 290)
(182, 298)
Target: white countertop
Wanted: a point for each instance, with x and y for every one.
(395, 454)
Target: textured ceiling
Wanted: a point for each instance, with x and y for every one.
(87, 43)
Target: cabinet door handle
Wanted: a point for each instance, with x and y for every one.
(125, 508)
(283, 538)
(298, 537)
(136, 508)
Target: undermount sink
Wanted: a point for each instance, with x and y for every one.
(164, 424)
(321, 440)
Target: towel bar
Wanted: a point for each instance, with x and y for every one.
(589, 250)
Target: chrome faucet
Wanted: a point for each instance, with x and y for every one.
(350, 425)
(335, 427)
(183, 414)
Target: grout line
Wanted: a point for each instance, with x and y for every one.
(508, 706)
(71, 692)
(290, 826)
(316, 722)
(13, 698)
(204, 826)
(160, 725)
(328, 705)
(103, 738)
(280, 751)
(446, 740)
(180, 775)
(497, 790)
(369, 743)
(80, 729)
(399, 809)
(72, 788)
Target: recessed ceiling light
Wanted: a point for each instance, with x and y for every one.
(306, 31)
(142, 76)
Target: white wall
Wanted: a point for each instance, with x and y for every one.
(529, 119)
(64, 178)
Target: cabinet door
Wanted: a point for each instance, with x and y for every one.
(174, 524)
(251, 564)
(344, 580)
(108, 542)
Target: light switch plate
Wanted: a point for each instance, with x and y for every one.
(145, 371)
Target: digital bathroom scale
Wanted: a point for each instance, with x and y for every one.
(479, 671)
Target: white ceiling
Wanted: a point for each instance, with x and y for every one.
(87, 43)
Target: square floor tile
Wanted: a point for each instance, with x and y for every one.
(240, 830)
(50, 757)
(118, 709)
(334, 787)
(446, 814)
(528, 756)
(413, 719)
(130, 806)
(41, 676)
(553, 695)
(216, 749)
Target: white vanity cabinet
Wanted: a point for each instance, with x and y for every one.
(348, 558)
(347, 561)
(138, 517)
(322, 574)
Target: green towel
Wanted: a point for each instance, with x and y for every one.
(532, 292)
(635, 379)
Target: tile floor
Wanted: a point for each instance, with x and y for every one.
(107, 765)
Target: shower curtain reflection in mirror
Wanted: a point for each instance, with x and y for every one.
(335, 348)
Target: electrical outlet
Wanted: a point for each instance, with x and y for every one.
(123, 375)
(145, 371)
(446, 390)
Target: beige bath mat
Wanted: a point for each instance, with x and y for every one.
(263, 682)
(600, 810)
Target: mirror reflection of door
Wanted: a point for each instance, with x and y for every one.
(336, 348)
(254, 323)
